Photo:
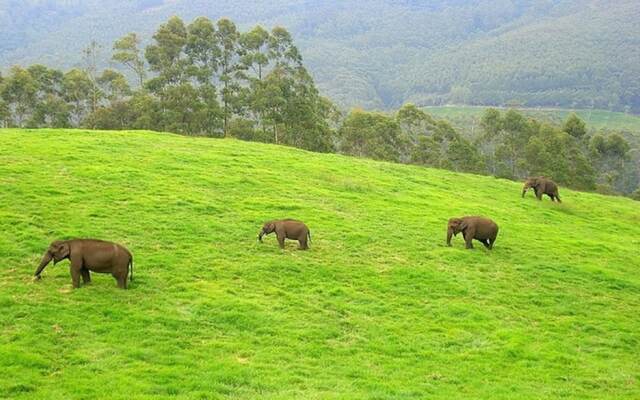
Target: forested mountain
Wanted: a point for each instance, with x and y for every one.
(382, 53)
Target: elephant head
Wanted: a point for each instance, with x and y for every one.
(530, 183)
(58, 251)
(456, 225)
(268, 228)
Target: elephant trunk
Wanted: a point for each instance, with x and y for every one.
(46, 259)
(524, 190)
(260, 235)
(449, 234)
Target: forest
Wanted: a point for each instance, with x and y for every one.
(211, 78)
(533, 53)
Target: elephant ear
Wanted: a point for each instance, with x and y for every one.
(63, 250)
(463, 225)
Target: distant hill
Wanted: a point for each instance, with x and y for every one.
(381, 53)
(378, 308)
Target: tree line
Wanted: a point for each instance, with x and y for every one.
(209, 78)
(511, 145)
(204, 78)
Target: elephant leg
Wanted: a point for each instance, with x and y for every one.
(281, 241)
(75, 277)
(86, 277)
(558, 199)
(303, 244)
(491, 242)
(486, 243)
(74, 269)
(121, 279)
(468, 238)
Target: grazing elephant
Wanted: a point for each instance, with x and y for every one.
(481, 229)
(289, 229)
(542, 185)
(90, 255)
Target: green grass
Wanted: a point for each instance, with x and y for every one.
(379, 308)
(468, 117)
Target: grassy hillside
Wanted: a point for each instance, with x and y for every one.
(378, 308)
(570, 53)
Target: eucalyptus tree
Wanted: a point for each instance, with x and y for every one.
(19, 92)
(128, 52)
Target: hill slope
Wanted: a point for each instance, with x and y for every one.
(569, 53)
(378, 308)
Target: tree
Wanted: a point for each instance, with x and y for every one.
(228, 38)
(574, 126)
(78, 90)
(90, 56)
(50, 109)
(127, 51)
(165, 56)
(436, 143)
(203, 50)
(254, 60)
(255, 53)
(4, 108)
(462, 156)
(508, 135)
(19, 94)
(178, 97)
(204, 53)
(113, 85)
(609, 155)
(371, 134)
(292, 109)
(282, 50)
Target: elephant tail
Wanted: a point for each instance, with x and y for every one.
(309, 236)
(131, 269)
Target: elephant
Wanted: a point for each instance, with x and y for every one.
(481, 229)
(542, 185)
(289, 229)
(90, 255)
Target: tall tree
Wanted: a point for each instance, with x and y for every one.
(255, 54)
(282, 49)
(127, 51)
(166, 55)
(228, 38)
(204, 53)
(91, 60)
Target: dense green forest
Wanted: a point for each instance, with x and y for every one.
(210, 78)
(379, 55)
